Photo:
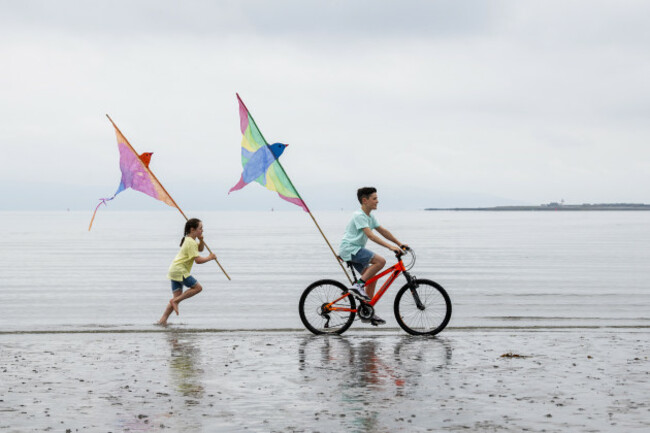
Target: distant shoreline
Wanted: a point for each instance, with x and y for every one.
(557, 207)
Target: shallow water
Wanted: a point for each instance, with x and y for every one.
(515, 269)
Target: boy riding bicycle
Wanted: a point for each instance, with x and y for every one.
(353, 250)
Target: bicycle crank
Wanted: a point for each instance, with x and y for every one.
(365, 311)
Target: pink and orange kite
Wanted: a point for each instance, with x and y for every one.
(135, 174)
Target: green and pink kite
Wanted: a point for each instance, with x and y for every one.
(261, 161)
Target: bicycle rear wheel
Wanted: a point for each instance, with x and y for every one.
(430, 316)
(314, 314)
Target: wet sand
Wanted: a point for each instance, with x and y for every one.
(581, 380)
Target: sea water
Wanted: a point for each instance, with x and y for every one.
(501, 269)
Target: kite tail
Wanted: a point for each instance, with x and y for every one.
(296, 201)
(239, 185)
(101, 201)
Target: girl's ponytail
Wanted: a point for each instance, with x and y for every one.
(192, 223)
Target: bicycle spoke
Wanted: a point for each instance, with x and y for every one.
(313, 303)
(432, 318)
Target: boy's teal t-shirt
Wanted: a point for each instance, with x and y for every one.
(354, 238)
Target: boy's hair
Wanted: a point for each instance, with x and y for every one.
(192, 223)
(365, 192)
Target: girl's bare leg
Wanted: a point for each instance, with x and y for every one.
(194, 290)
(168, 310)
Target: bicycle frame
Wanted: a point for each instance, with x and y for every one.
(397, 269)
(421, 306)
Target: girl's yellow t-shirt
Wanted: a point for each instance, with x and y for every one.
(181, 267)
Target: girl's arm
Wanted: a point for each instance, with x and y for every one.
(203, 259)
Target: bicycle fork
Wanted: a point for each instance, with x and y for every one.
(413, 285)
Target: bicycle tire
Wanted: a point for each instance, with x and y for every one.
(314, 297)
(428, 321)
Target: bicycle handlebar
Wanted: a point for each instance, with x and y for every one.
(410, 261)
(405, 250)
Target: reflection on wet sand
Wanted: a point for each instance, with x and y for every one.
(366, 376)
(186, 378)
(414, 354)
(185, 375)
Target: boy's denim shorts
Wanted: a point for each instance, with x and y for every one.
(188, 281)
(361, 259)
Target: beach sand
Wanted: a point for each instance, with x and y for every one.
(182, 380)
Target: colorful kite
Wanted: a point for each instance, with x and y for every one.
(135, 174)
(261, 164)
(261, 161)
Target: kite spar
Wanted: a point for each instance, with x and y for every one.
(137, 175)
(261, 163)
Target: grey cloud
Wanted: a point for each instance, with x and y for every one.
(335, 19)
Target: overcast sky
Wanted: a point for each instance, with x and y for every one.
(436, 103)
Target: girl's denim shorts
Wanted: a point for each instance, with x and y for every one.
(188, 281)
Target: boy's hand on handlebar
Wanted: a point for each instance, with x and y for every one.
(405, 247)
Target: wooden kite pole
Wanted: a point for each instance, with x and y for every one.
(336, 256)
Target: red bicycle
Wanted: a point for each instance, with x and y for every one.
(422, 307)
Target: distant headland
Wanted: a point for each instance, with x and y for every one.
(557, 207)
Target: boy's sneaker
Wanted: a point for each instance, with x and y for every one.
(358, 293)
(376, 320)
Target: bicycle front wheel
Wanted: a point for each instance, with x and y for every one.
(422, 309)
(318, 315)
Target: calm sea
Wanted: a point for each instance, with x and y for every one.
(507, 269)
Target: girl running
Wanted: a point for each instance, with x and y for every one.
(179, 271)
